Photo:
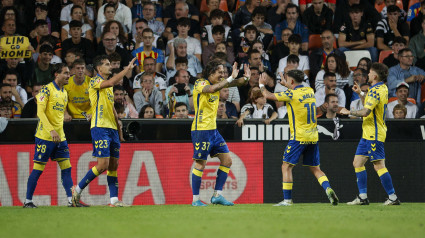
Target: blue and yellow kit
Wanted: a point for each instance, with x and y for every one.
(104, 131)
(205, 137)
(374, 127)
(301, 105)
(78, 97)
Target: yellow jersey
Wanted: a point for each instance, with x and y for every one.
(301, 105)
(78, 97)
(376, 100)
(52, 100)
(206, 106)
(102, 104)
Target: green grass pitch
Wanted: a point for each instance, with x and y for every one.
(254, 220)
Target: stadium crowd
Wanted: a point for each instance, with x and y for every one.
(173, 41)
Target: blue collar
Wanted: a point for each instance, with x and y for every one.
(299, 86)
(56, 86)
(100, 76)
(380, 83)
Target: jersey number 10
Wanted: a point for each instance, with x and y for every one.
(311, 112)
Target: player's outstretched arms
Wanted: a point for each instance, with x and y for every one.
(224, 83)
(114, 80)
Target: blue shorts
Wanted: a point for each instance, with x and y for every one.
(45, 149)
(206, 143)
(309, 150)
(371, 148)
(106, 142)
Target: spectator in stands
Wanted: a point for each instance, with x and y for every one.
(115, 61)
(343, 7)
(399, 111)
(148, 95)
(70, 56)
(87, 13)
(357, 33)
(78, 92)
(243, 14)
(416, 23)
(181, 111)
(86, 29)
(193, 44)
(365, 63)
(116, 28)
(389, 28)
(293, 22)
(357, 104)
(230, 108)
(181, 63)
(120, 98)
(217, 26)
(24, 68)
(119, 108)
(233, 96)
(6, 110)
(388, 3)
(205, 17)
(218, 35)
(43, 69)
(9, 28)
(41, 29)
(138, 11)
(276, 14)
(181, 91)
(402, 92)
(246, 39)
(159, 79)
(398, 44)
(359, 78)
(244, 91)
(304, 4)
(294, 49)
(339, 67)
(318, 17)
(109, 12)
(6, 97)
(258, 45)
(140, 25)
(258, 18)
(18, 93)
(77, 41)
(281, 49)
(11, 13)
(123, 14)
(222, 110)
(405, 72)
(258, 109)
(179, 49)
(150, 14)
(109, 41)
(147, 112)
(147, 50)
(329, 88)
(175, 10)
(181, 10)
(41, 13)
(318, 57)
(331, 105)
(54, 43)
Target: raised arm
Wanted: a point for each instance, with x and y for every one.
(224, 83)
(263, 80)
(114, 80)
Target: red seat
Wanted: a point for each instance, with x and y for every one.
(392, 99)
(315, 42)
(384, 54)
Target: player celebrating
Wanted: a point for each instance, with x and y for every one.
(374, 132)
(301, 105)
(50, 141)
(104, 129)
(205, 137)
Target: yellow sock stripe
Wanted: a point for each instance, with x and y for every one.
(95, 171)
(38, 166)
(322, 179)
(112, 173)
(382, 171)
(64, 164)
(224, 169)
(197, 172)
(287, 186)
(358, 170)
(114, 158)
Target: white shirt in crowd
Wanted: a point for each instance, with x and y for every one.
(303, 65)
(412, 109)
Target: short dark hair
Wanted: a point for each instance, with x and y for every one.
(363, 72)
(40, 22)
(184, 21)
(250, 28)
(75, 7)
(46, 48)
(381, 70)
(75, 51)
(356, 8)
(216, 13)
(142, 20)
(393, 8)
(147, 30)
(142, 111)
(295, 38)
(291, 5)
(75, 23)
(254, 51)
(97, 61)
(118, 87)
(107, 6)
(328, 74)
(404, 50)
(114, 57)
(259, 11)
(211, 67)
(293, 59)
(146, 58)
(400, 39)
(330, 95)
(218, 29)
(11, 72)
(57, 68)
(49, 38)
(296, 74)
(179, 104)
(2, 85)
(181, 60)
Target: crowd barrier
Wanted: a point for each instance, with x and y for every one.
(155, 163)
